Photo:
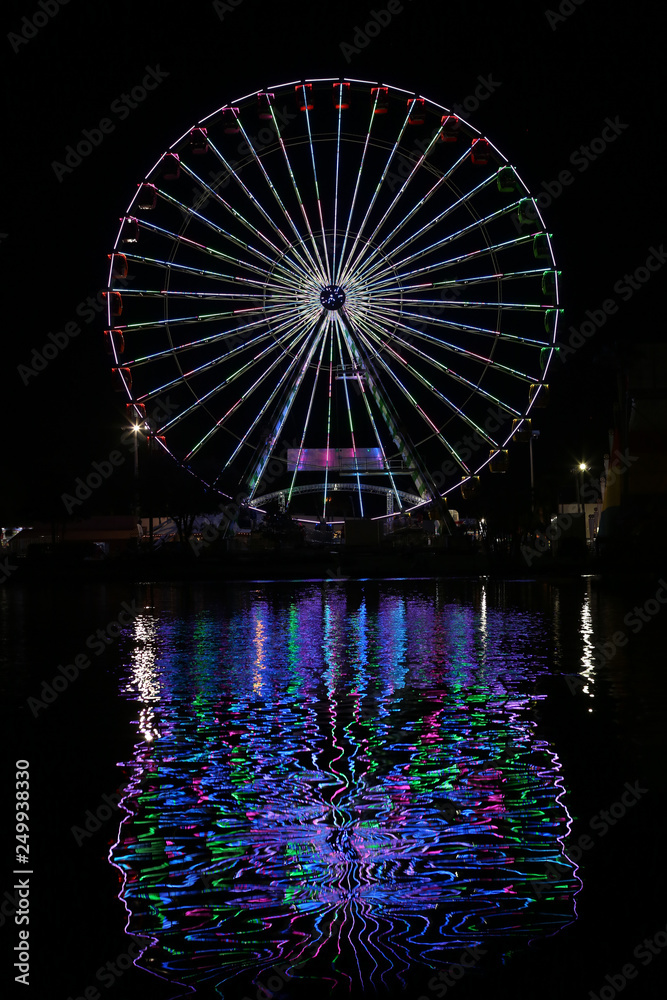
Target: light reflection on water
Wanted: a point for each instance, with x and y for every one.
(344, 780)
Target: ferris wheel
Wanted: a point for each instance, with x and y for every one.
(330, 285)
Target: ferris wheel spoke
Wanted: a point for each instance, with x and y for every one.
(170, 293)
(376, 285)
(369, 413)
(211, 251)
(311, 145)
(501, 307)
(364, 333)
(329, 402)
(351, 260)
(358, 178)
(256, 473)
(219, 424)
(299, 262)
(296, 266)
(396, 316)
(235, 240)
(213, 339)
(199, 272)
(262, 411)
(481, 279)
(212, 364)
(422, 202)
(307, 419)
(166, 324)
(379, 335)
(186, 320)
(349, 418)
(417, 255)
(276, 195)
(456, 283)
(435, 431)
(335, 225)
(320, 264)
(365, 271)
(383, 402)
(300, 337)
(415, 208)
(396, 320)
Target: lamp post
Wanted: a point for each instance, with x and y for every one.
(581, 468)
(534, 435)
(136, 428)
(135, 451)
(149, 493)
(143, 428)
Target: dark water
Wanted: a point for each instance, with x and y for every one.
(349, 788)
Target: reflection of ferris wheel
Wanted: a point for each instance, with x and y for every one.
(335, 285)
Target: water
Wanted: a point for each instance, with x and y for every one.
(351, 788)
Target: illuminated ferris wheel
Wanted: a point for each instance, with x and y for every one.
(333, 285)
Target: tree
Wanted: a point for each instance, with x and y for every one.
(171, 491)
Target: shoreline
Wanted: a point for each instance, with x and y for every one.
(290, 565)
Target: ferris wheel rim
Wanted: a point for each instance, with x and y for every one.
(301, 239)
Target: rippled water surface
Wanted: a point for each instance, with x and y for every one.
(342, 781)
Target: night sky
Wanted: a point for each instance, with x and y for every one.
(557, 78)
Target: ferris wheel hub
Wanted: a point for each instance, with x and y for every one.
(332, 297)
